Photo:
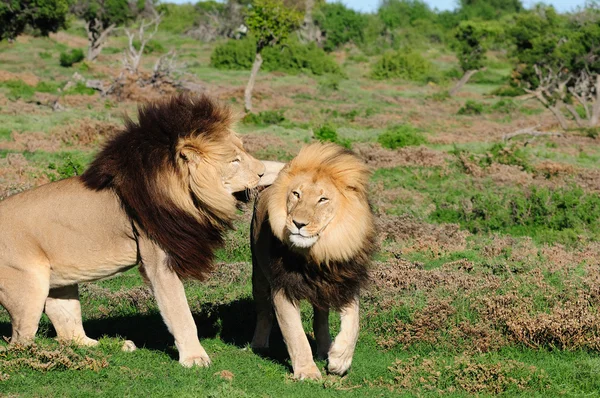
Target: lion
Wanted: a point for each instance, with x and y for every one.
(159, 194)
(312, 237)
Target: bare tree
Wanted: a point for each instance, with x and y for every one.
(133, 56)
(586, 90)
(551, 90)
(97, 37)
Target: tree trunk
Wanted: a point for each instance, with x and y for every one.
(97, 37)
(463, 80)
(576, 116)
(596, 106)
(248, 92)
(308, 31)
(555, 109)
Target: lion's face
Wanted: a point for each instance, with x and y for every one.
(219, 168)
(311, 205)
(242, 171)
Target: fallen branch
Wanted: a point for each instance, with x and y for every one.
(531, 131)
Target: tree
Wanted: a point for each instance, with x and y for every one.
(102, 17)
(558, 62)
(472, 41)
(340, 25)
(271, 23)
(489, 10)
(145, 32)
(43, 15)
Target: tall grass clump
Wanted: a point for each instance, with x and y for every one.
(400, 136)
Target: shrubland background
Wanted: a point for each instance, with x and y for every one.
(487, 280)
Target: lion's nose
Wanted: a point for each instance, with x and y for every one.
(299, 225)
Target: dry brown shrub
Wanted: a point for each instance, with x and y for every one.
(376, 156)
(550, 169)
(35, 357)
(417, 235)
(139, 297)
(17, 175)
(86, 132)
(32, 141)
(463, 373)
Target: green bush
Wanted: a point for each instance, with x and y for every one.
(400, 136)
(554, 215)
(47, 87)
(45, 55)
(505, 106)
(294, 57)
(327, 133)
(508, 91)
(265, 118)
(69, 167)
(472, 108)
(67, 59)
(513, 155)
(80, 88)
(406, 64)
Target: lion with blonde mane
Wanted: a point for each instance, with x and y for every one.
(312, 238)
(160, 194)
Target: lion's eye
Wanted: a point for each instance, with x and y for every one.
(322, 200)
(236, 160)
(296, 194)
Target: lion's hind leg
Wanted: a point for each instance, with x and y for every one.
(321, 329)
(261, 292)
(64, 310)
(23, 293)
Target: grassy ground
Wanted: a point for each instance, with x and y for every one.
(487, 281)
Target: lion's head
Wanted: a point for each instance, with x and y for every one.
(319, 204)
(176, 170)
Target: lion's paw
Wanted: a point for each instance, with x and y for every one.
(339, 360)
(307, 373)
(203, 361)
(84, 341)
(128, 346)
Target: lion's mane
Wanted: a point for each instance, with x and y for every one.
(333, 270)
(142, 165)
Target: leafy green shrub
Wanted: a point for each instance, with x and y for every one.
(400, 136)
(327, 133)
(294, 57)
(265, 118)
(554, 215)
(18, 89)
(591, 132)
(69, 167)
(440, 96)
(404, 64)
(5, 133)
(45, 55)
(472, 108)
(67, 59)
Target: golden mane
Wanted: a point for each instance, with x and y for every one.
(145, 165)
(351, 232)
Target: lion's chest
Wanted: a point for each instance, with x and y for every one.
(333, 285)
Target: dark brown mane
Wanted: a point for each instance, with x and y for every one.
(132, 163)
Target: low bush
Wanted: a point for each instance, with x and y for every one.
(265, 118)
(67, 59)
(405, 64)
(152, 46)
(18, 89)
(471, 108)
(400, 136)
(327, 133)
(294, 57)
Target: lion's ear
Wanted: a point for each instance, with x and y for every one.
(190, 155)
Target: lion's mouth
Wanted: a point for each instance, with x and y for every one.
(303, 241)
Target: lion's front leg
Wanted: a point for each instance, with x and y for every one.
(172, 303)
(342, 350)
(290, 323)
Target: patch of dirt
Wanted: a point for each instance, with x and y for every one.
(17, 175)
(27, 77)
(376, 156)
(264, 144)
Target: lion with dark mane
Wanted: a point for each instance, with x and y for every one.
(160, 194)
(312, 238)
